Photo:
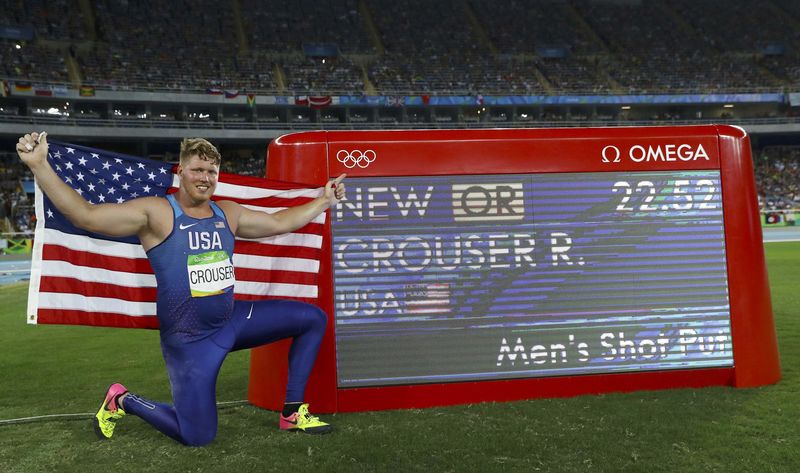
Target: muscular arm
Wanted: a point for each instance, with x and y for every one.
(254, 224)
(129, 218)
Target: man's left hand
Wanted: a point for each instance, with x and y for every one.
(335, 190)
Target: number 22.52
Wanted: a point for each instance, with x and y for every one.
(682, 199)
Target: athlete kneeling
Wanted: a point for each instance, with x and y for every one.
(189, 241)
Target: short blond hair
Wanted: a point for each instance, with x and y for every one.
(201, 148)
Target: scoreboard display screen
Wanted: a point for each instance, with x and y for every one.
(476, 277)
(503, 264)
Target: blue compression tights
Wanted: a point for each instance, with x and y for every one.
(193, 367)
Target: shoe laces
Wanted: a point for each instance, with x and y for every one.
(305, 415)
(114, 415)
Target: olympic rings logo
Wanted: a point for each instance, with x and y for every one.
(354, 158)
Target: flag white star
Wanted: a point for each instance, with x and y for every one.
(141, 165)
(68, 165)
(117, 160)
(151, 176)
(58, 154)
(162, 170)
(82, 161)
(146, 189)
(125, 186)
(134, 195)
(129, 171)
(102, 198)
(68, 180)
(120, 200)
(79, 176)
(90, 187)
(95, 155)
(70, 150)
(49, 213)
(106, 165)
(111, 190)
(115, 176)
(93, 171)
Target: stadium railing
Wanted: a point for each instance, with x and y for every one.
(237, 125)
(135, 86)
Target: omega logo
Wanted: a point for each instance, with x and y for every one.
(647, 153)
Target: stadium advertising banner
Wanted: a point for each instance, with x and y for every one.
(476, 265)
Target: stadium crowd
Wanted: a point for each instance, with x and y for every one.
(407, 46)
(777, 171)
(16, 206)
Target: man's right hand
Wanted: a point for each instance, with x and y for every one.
(32, 149)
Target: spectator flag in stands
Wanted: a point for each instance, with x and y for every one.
(82, 278)
(320, 101)
(313, 101)
(43, 91)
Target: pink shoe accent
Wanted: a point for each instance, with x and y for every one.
(289, 423)
(111, 396)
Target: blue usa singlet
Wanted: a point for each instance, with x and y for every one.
(194, 271)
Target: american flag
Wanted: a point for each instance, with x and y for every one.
(82, 278)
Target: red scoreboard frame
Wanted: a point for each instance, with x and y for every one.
(311, 158)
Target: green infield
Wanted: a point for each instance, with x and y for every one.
(54, 370)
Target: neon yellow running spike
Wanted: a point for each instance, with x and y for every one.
(303, 421)
(109, 413)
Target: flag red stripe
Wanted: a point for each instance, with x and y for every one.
(68, 285)
(53, 251)
(271, 276)
(97, 289)
(107, 319)
(250, 297)
(273, 201)
(308, 229)
(259, 249)
(56, 252)
(104, 319)
(260, 182)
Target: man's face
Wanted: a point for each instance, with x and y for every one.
(199, 178)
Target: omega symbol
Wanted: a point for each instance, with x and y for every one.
(354, 158)
(610, 154)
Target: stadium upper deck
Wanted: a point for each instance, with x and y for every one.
(407, 46)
